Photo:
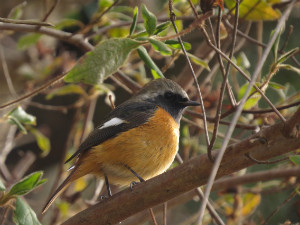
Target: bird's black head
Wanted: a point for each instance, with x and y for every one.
(168, 95)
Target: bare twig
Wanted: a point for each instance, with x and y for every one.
(27, 22)
(212, 120)
(50, 10)
(165, 213)
(242, 34)
(23, 165)
(152, 216)
(248, 155)
(291, 28)
(225, 82)
(33, 93)
(243, 73)
(292, 195)
(261, 111)
(97, 18)
(238, 112)
(172, 18)
(199, 192)
(6, 74)
(6, 210)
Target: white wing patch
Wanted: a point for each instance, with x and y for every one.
(113, 122)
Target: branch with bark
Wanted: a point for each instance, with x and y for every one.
(270, 142)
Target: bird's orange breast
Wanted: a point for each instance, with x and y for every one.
(149, 150)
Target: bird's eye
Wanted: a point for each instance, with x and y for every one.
(169, 95)
(184, 99)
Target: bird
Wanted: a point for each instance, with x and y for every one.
(136, 141)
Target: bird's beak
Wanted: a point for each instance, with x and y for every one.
(190, 103)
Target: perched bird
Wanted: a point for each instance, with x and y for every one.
(137, 141)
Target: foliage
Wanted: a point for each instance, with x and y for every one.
(78, 56)
(23, 214)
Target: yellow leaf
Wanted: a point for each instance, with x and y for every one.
(80, 184)
(255, 10)
(250, 203)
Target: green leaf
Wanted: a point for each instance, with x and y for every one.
(27, 184)
(19, 117)
(22, 116)
(155, 74)
(24, 215)
(160, 46)
(176, 45)
(161, 27)
(287, 55)
(66, 90)
(2, 187)
(28, 40)
(17, 11)
(289, 67)
(149, 62)
(121, 9)
(105, 59)
(198, 61)
(134, 21)
(15, 121)
(254, 10)
(105, 3)
(276, 45)
(149, 20)
(67, 22)
(276, 86)
(295, 159)
(42, 141)
(253, 100)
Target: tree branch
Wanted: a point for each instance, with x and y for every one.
(277, 140)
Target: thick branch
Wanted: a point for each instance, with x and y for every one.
(268, 143)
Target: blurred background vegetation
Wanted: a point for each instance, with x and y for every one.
(40, 132)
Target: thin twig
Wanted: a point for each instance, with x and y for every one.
(6, 74)
(172, 18)
(265, 162)
(242, 34)
(261, 111)
(243, 73)
(152, 216)
(201, 127)
(34, 92)
(63, 109)
(291, 28)
(199, 192)
(222, 68)
(292, 195)
(254, 41)
(6, 210)
(50, 10)
(212, 120)
(225, 82)
(238, 112)
(95, 20)
(165, 213)
(28, 22)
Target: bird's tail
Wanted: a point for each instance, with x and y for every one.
(72, 176)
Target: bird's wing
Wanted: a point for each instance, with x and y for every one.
(123, 118)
